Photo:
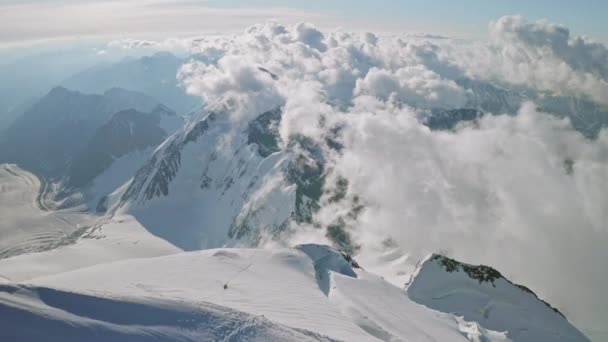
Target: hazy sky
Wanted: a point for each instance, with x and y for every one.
(26, 21)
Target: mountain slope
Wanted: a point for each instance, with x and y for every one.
(223, 183)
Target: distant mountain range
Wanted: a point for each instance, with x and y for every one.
(155, 76)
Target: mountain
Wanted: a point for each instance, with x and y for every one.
(212, 182)
(490, 98)
(154, 75)
(587, 117)
(481, 294)
(306, 293)
(52, 131)
(115, 152)
(10, 115)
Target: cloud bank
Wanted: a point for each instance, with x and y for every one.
(523, 192)
(541, 55)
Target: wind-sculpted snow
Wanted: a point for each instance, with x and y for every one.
(473, 149)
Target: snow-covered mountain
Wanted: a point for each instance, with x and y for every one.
(153, 75)
(224, 183)
(306, 293)
(52, 131)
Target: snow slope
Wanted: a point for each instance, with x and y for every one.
(483, 295)
(36, 314)
(117, 239)
(309, 288)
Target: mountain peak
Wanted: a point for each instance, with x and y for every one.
(482, 294)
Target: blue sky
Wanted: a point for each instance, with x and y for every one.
(27, 21)
(588, 17)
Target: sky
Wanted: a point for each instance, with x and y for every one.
(29, 21)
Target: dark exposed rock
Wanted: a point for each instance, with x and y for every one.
(338, 234)
(263, 132)
(448, 119)
(307, 172)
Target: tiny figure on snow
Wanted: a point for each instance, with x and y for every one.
(226, 286)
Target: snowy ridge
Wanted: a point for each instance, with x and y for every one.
(276, 294)
(481, 294)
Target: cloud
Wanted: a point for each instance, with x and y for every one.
(415, 85)
(525, 193)
(540, 55)
(545, 37)
(232, 81)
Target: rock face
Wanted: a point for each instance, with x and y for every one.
(481, 294)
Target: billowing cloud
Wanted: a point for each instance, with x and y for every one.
(415, 85)
(540, 55)
(525, 193)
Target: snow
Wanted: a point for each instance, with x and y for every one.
(280, 285)
(117, 239)
(36, 314)
(24, 226)
(221, 184)
(113, 280)
(499, 306)
(121, 170)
